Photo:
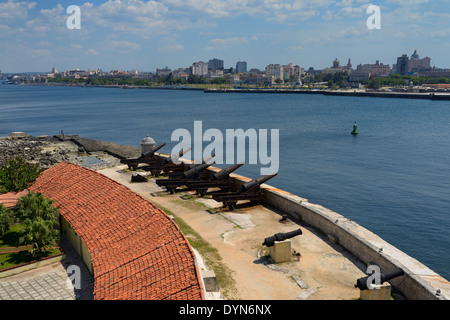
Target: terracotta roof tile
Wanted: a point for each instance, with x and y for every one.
(137, 251)
(10, 199)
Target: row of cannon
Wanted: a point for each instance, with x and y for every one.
(196, 177)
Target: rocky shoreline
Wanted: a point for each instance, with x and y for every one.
(50, 150)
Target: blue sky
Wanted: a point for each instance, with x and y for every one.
(145, 35)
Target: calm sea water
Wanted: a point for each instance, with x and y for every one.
(393, 179)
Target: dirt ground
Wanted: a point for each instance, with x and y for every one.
(323, 271)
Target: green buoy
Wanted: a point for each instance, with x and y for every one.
(355, 129)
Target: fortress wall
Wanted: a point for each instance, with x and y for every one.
(418, 283)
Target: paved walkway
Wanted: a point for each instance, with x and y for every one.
(49, 282)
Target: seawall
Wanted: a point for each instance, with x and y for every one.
(374, 94)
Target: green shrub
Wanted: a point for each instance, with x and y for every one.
(40, 234)
(17, 174)
(35, 205)
(6, 219)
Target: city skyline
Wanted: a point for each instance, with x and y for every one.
(146, 35)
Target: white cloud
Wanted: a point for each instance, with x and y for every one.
(92, 52)
(13, 10)
(219, 43)
(48, 20)
(170, 44)
(125, 44)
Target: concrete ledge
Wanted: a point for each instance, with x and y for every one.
(32, 265)
(419, 282)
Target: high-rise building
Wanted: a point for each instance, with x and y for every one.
(291, 70)
(241, 67)
(200, 68)
(215, 64)
(275, 70)
(402, 64)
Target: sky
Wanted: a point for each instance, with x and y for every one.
(145, 35)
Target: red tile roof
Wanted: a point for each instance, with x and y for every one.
(137, 251)
(9, 200)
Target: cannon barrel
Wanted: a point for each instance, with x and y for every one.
(144, 157)
(196, 169)
(180, 154)
(225, 172)
(193, 165)
(270, 241)
(256, 182)
(362, 284)
(151, 152)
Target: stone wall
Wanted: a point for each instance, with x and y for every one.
(419, 282)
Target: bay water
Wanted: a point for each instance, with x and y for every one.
(393, 178)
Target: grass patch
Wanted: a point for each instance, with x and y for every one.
(211, 257)
(10, 240)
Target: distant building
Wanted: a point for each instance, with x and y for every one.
(336, 67)
(416, 64)
(230, 70)
(163, 72)
(241, 67)
(215, 64)
(349, 65)
(360, 75)
(336, 63)
(255, 70)
(52, 74)
(181, 73)
(257, 79)
(380, 70)
(200, 68)
(377, 70)
(291, 70)
(435, 73)
(402, 65)
(275, 70)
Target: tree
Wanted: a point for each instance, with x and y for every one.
(6, 219)
(40, 234)
(278, 81)
(17, 174)
(35, 205)
(292, 78)
(375, 83)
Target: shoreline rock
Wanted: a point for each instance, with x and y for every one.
(48, 151)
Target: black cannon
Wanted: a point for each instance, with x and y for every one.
(270, 241)
(192, 174)
(182, 168)
(248, 191)
(220, 179)
(166, 164)
(147, 157)
(362, 283)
